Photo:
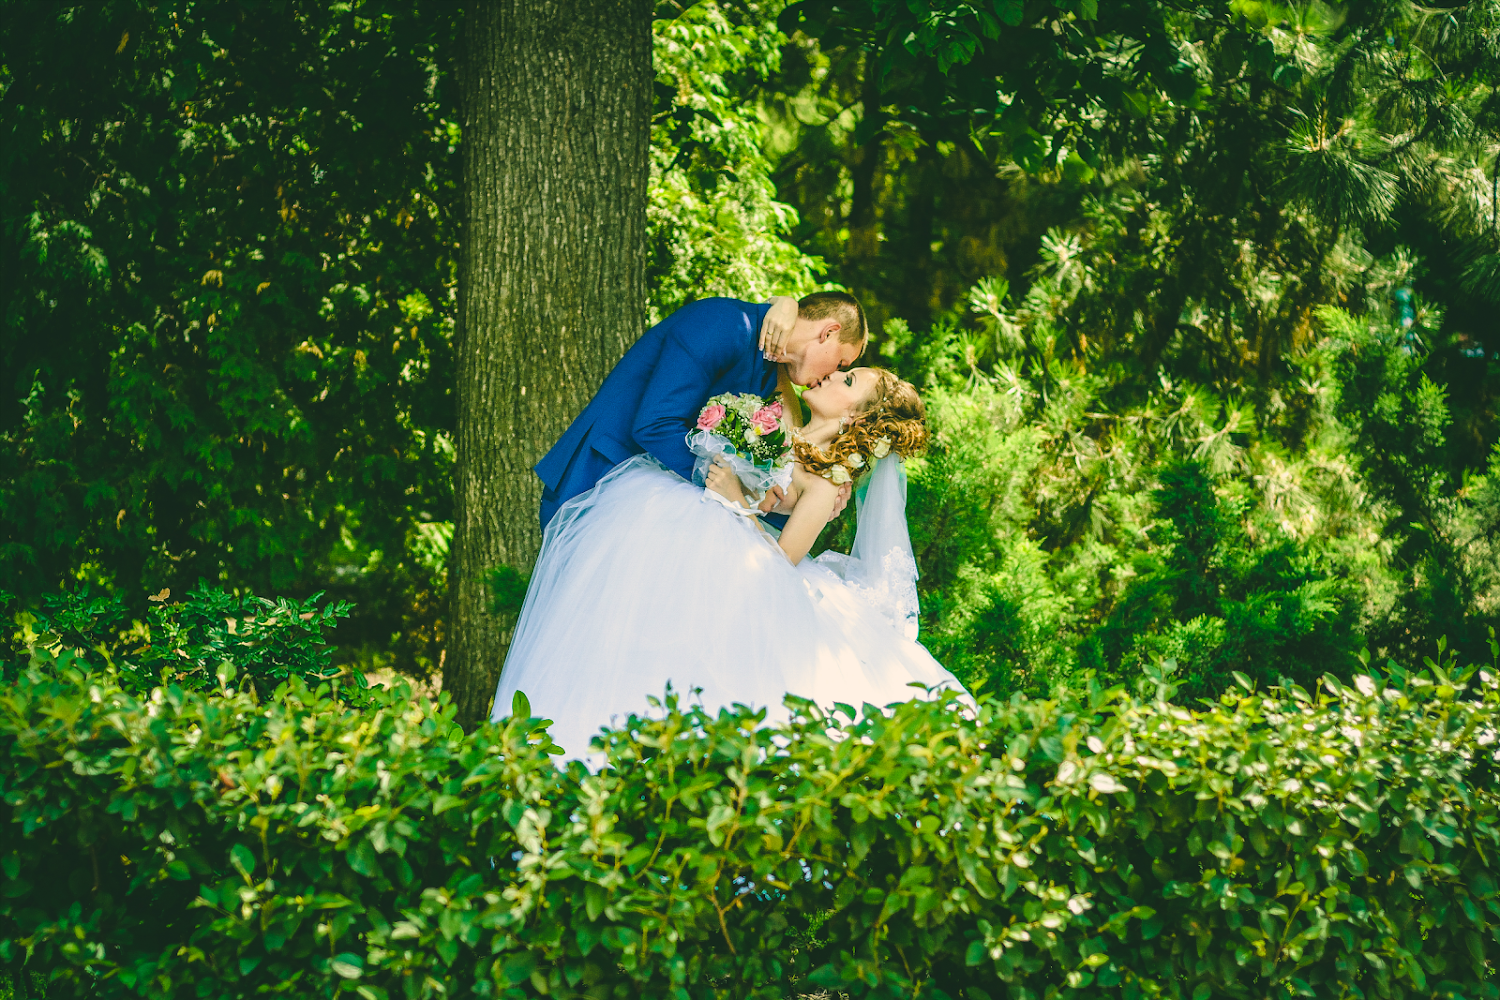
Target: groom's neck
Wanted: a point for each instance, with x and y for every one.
(789, 399)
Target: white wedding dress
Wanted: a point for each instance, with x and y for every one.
(643, 581)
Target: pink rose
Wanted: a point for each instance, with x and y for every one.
(767, 419)
(710, 417)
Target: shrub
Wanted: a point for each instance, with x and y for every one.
(1220, 604)
(1342, 842)
(184, 643)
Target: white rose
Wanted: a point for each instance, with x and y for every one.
(882, 448)
(856, 460)
(839, 474)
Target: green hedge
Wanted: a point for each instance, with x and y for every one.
(211, 844)
(180, 642)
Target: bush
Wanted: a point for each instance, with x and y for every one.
(183, 643)
(1072, 516)
(1219, 604)
(1343, 843)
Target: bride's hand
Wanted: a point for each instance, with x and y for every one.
(776, 328)
(722, 480)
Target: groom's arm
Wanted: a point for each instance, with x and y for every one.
(698, 348)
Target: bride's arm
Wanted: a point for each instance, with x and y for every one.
(777, 325)
(814, 509)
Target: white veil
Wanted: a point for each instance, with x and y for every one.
(881, 563)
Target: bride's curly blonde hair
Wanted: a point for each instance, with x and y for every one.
(893, 419)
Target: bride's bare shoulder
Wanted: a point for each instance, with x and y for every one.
(807, 482)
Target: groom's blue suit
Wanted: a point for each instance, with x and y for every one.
(652, 398)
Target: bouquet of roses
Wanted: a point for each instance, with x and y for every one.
(746, 430)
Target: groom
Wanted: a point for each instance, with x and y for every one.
(652, 398)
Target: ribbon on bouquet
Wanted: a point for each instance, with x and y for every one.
(729, 504)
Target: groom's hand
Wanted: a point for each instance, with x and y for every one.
(842, 500)
(778, 501)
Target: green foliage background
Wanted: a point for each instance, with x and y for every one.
(1201, 300)
(228, 284)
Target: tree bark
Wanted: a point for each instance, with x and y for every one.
(921, 211)
(556, 108)
(864, 238)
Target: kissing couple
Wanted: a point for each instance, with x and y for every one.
(642, 582)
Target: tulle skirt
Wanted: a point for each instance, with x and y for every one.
(643, 582)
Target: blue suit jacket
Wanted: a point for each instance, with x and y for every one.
(652, 398)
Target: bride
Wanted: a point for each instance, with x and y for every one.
(641, 582)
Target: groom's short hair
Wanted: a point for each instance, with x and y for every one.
(836, 305)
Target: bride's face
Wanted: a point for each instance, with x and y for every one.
(841, 394)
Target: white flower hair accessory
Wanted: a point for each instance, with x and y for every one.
(855, 460)
(882, 448)
(838, 474)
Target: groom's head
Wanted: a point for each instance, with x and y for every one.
(829, 334)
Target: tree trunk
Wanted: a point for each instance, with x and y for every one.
(864, 234)
(556, 107)
(927, 177)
